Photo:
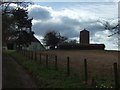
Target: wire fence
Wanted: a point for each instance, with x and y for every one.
(84, 70)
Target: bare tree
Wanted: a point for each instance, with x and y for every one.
(114, 29)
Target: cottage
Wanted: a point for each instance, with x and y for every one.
(24, 40)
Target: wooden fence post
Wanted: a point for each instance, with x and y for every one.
(46, 60)
(24, 52)
(116, 76)
(40, 58)
(26, 55)
(32, 55)
(56, 67)
(35, 56)
(29, 54)
(85, 68)
(21, 51)
(68, 66)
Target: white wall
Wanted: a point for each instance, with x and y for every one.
(35, 46)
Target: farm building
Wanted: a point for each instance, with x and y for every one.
(84, 43)
(82, 46)
(24, 40)
(84, 37)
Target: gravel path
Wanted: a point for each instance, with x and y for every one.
(14, 76)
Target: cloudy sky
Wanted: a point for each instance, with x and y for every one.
(69, 18)
(66, 0)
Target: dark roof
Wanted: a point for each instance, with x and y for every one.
(84, 30)
(82, 46)
(23, 37)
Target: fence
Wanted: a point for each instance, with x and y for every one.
(45, 58)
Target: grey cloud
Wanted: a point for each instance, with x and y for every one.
(95, 28)
(92, 26)
(65, 30)
(70, 21)
(39, 13)
(67, 27)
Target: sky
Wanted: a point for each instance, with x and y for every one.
(66, 0)
(69, 17)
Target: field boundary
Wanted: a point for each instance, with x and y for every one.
(92, 82)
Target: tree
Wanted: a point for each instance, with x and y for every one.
(114, 29)
(7, 25)
(53, 39)
(73, 41)
(14, 19)
(5, 5)
(20, 17)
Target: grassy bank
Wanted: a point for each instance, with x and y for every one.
(47, 78)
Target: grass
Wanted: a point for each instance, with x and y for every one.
(47, 78)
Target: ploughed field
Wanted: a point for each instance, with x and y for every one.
(99, 62)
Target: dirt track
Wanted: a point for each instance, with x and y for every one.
(14, 76)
